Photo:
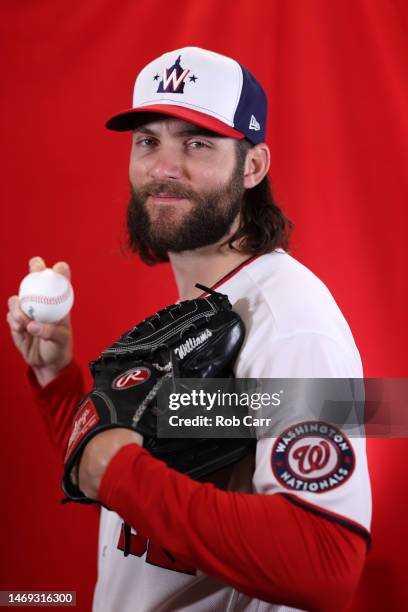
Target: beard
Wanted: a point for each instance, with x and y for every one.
(208, 219)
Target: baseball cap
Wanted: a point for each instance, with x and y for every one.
(202, 87)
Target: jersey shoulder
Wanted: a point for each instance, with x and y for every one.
(287, 309)
(297, 300)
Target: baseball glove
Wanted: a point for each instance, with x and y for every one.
(192, 339)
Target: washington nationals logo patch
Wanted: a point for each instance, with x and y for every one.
(312, 456)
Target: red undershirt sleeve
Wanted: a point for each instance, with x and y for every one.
(263, 545)
(57, 403)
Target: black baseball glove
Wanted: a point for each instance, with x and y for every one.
(192, 339)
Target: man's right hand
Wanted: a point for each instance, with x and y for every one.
(46, 347)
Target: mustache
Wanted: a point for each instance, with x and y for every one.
(154, 188)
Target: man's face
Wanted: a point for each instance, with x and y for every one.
(186, 184)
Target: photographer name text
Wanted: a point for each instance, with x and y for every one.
(218, 421)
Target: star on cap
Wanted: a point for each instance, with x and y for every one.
(156, 77)
(193, 78)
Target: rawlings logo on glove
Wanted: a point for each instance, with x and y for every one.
(135, 376)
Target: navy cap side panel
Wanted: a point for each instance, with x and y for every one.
(250, 116)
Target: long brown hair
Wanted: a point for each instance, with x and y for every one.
(263, 227)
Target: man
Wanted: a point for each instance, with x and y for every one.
(200, 196)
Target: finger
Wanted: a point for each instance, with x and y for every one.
(62, 268)
(48, 331)
(15, 310)
(36, 264)
(15, 325)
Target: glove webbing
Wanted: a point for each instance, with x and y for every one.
(168, 368)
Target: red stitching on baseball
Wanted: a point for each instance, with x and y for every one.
(44, 299)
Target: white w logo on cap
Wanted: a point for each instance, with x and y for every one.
(172, 78)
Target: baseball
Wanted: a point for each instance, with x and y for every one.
(46, 296)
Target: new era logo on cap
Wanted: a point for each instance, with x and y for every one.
(202, 87)
(253, 124)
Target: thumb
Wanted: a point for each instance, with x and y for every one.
(48, 331)
(63, 268)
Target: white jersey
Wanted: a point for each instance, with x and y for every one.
(294, 329)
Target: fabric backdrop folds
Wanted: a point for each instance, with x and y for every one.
(337, 80)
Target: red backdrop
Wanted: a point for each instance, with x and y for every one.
(336, 77)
